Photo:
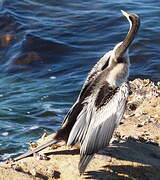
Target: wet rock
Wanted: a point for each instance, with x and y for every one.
(6, 39)
(27, 58)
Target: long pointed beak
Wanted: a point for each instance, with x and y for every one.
(134, 22)
(125, 14)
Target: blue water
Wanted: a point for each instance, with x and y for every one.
(46, 51)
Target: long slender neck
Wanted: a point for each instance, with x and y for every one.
(134, 26)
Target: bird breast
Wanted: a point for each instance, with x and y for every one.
(118, 74)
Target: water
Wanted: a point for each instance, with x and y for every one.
(46, 51)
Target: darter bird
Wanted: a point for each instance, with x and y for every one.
(101, 103)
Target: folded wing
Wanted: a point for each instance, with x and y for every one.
(95, 124)
(78, 106)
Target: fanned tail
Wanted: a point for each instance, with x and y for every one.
(84, 161)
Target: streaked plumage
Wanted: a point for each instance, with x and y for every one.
(101, 102)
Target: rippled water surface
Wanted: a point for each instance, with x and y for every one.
(46, 51)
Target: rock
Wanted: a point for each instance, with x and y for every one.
(134, 152)
(33, 172)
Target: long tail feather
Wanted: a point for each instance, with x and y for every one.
(84, 161)
(30, 152)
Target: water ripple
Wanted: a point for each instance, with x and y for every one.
(46, 51)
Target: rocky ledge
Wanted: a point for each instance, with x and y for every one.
(134, 152)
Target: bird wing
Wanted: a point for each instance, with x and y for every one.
(95, 128)
(105, 119)
(96, 70)
(81, 125)
(70, 112)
